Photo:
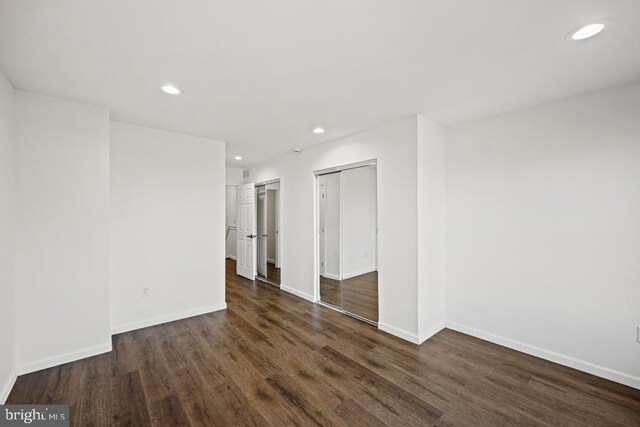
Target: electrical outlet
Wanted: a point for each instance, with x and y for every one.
(145, 291)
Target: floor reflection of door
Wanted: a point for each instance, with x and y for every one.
(357, 295)
(273, 273)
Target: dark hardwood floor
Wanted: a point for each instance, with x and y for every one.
(273, 273)
(331, 291)
(357, 295)
(274, 359)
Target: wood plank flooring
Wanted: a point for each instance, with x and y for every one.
(274, 359)
(273, 273)
(357, 295)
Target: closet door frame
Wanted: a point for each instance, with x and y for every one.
(278, 225)
(316, 222)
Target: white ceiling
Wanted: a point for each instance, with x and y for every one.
(261, 74)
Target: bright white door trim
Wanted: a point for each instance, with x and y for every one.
(246, 232)
(278, 228)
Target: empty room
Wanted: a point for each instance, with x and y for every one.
(340, 212)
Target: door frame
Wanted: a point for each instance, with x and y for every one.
(278, 228)
(262, 225)
(278, 223)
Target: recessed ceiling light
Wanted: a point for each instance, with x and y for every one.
(587, 31)
(318, 130)
(238, 157)
(171, 90)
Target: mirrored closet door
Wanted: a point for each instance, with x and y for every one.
(268, 242)
(348, 246)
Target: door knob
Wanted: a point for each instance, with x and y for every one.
(252, 236)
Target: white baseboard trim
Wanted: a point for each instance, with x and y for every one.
(168, 318)
(400, 333)
(331, 276)
(431, 332)
(298, 293)
(581, 365)
(272, 261)
(64, 358)
(233, 257)
(8, 385)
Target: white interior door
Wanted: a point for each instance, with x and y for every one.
(262, 209)
(246, 232)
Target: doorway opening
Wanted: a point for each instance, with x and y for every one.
(258, 232)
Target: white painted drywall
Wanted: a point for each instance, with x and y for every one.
(167, 224)
(7, 225)
(233, 176)
(394, 146)
(358, 219)
(543, 230)
(332, 267)
(431, 227)
(62, 237)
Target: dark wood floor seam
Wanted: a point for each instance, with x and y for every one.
(275, 359)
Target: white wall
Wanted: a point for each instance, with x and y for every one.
(62, 237)
(358, 218)
(394, 146)
(543, 231)
(7, 225)
(233, 177)
(431, 227)
(332, 267)
(167, 226)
